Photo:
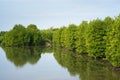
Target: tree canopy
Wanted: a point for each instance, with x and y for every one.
(98, 38)
(21, 36)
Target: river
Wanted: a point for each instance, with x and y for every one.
(36, 63)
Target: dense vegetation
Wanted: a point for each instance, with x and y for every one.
(98, 38)
(1, 36)
(30, 36)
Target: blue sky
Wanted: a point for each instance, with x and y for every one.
(54, 13)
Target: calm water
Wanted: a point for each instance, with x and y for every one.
(47, 64)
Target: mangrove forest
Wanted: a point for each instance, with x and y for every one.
(98, 38)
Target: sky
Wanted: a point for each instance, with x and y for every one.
(54, 13)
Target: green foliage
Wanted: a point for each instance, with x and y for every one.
(32, 28)
(47, 35)
(109, 25)
(81, 37)
(56, 38)
(1, 36)
(98, 38)
(95, 39)
(63, 37)
(71, 37)
(15, 37)
(30, 36)
(34, 35)
(113, 50)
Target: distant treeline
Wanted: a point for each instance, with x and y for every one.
(98, 38)
(30, 36)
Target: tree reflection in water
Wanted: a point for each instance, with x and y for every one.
(76, 64)
(21, 56)
(86, 68)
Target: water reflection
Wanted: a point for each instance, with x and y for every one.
(76, 64)
(21, 56)
(86, 68)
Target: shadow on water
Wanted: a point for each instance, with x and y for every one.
(86, 68)
(21, 56)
